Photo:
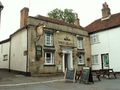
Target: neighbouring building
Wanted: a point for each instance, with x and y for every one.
(4, 54)
(44, 45)
(104, 36)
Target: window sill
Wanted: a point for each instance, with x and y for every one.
(81, 64)
(80, 49)
(49, 64)
(95, 64)
(52, 46)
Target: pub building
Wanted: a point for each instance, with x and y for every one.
(44, 46)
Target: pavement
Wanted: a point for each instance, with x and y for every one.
(12, 78)
(11, 81)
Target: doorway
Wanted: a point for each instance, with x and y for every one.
(105, 61)
(67, 60)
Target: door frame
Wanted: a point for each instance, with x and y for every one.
(67, 51)
(102, 63)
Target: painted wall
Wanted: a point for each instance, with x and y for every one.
(18, 48)
(108, 43)
(4, 50)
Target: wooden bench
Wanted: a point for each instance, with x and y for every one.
(97, 74)
(107, 72)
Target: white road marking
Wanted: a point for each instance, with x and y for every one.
(31, 83)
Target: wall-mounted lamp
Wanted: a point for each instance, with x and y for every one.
(57, 31)
(77, 35)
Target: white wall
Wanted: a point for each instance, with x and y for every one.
(4, 50)
(18, 46)
(108, 43)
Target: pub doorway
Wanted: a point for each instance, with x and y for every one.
(67, 60)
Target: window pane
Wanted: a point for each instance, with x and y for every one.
(49, 58)
(80, 43)
(94, 39)
(81, 59)
(5, 57)
(48, 39)
(95, 59)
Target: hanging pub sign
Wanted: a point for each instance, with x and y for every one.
(38, 51)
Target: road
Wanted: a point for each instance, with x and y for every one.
(105, 84)
(10, 81)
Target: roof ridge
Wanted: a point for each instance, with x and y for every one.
(98, 24)
(53, 20)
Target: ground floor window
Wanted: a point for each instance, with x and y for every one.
(5, 57)
(49, 58)
(94, 59)
(81, 59)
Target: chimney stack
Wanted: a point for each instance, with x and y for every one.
(105, 11)
(24, 15)
(77, 23)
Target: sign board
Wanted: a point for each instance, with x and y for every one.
(86, 76)
(38, 51)
(70, 75)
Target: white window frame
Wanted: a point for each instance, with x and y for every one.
(94, 39)
(49, 39)
(51, 58)
(81, 59)
(95, 60)
(80, 43)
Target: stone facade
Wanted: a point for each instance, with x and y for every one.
(64, 38)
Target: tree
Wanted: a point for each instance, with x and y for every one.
(67, 15)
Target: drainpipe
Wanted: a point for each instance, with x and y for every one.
(27, 61)
(9, 55)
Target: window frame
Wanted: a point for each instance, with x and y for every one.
(51, 58)
(5, 57)
(94, 39)
(50, 42)
(95, 59)
(83, 59)
(80, 43)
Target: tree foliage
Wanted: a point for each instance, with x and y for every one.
(67, 15)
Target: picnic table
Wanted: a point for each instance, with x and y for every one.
(103, 72)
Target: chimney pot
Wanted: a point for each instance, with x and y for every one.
(105, 11)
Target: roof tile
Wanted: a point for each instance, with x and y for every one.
(99, 25)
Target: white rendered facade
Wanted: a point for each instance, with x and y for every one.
(107, 43)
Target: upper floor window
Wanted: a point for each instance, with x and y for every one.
(49, 58)
(94, 59)
(81, 59)
(80, 43)
(48, 39)
(94, 39)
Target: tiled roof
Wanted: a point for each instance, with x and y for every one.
(56, 21)
(100, 25)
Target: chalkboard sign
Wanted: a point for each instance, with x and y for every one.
(86, 76)
(70, 75)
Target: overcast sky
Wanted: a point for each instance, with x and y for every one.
(88, 11)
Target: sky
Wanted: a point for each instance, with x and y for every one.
(88, 11)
